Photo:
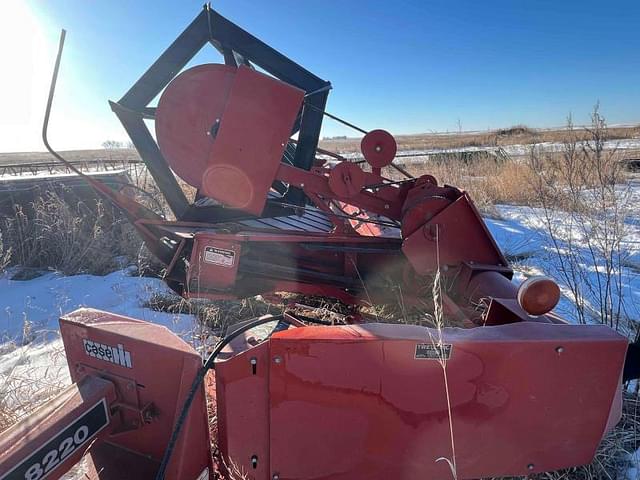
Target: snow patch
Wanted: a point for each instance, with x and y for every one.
(38, 303)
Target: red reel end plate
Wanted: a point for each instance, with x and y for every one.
(187, 112)
(379, 148)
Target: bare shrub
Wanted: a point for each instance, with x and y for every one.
(583, 202)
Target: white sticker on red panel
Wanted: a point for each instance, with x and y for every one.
(219, 256)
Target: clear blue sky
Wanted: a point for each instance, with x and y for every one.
(401, 65)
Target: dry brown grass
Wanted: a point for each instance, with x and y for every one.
(59, 233)
(491, 182)
(517, 134)
(82, 238)
(37, 373)
(487, 181)
(124, 155)
(218, 315)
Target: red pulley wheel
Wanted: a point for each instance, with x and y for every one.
(379, 148)
(346, 179)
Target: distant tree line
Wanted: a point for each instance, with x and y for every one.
(112, 144)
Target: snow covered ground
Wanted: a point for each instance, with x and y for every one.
(32, 363)
(408, 157)
(42, 300)
(521, 234)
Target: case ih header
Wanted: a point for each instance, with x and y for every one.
(515, 392)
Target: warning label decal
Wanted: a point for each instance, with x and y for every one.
(219, 256)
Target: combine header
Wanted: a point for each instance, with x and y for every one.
(270, 214)
(516, 391)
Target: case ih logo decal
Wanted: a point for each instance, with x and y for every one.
(117, 355)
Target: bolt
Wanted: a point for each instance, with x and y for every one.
(530, 466)
(560, 349)
(302, 185)
(275, 476)
(254, 361)
(386, 206)
(378, 148)
(277, 360)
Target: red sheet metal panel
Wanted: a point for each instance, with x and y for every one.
(254, 129)
(242, 393)
(459, 233)
(356, 403)
(56, 436)
(224, 130)
(214, 263)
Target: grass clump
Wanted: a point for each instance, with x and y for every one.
(86, 237)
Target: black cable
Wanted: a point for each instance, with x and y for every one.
(361, 130)
(337, 119)
(197, 381)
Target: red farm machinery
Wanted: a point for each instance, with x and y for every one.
(511, 390)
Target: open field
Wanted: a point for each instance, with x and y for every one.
(517, 135)
(513, 136)
(117, 154)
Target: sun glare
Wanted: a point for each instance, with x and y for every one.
(25, 55)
